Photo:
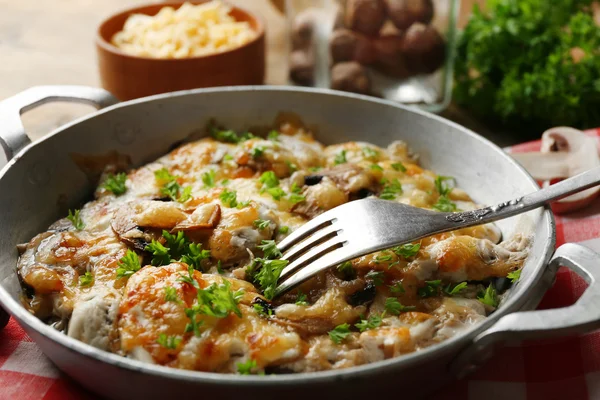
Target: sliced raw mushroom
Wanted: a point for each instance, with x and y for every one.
(565, 152)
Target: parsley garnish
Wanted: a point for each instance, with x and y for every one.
(393, 306)
(397, 288)
(208, 178)
(347, 270)
(269, 179)
(277, 193)
(86, 279)
(178, 244)
(75, 218)
(383, 258)
(376, 167)
(273, 136)
(257, 152)
(128, 265)
(370, 153)
(489, 297)
(268, 275)
(247, 367)
(189, 279)
(171, 294)
(376, 276)
(514, 275)
(407, 250)
(168, 342)
(444, 204)
(217, 301)
(116, 183)
(230, 136)
(296, 198)
(399, 167)
(340, 158)
(229, 198)
(430, 289)
(339, 333)
(227, 157)
(292, 167)
(269, 248)
(301, 299)
(263, 311)
(262, 224)
(195, 255)
(220, 270)
(441, 186)
(456, 289)
(160, 253)
(170, 187)
(391, 190)
(284, 229)
(373, 322)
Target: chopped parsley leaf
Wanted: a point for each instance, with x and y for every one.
(284, 229)
(397, 288)
(268, 275)
(340, 158)
(115, 183)
(393, 306)
(489, 297)
(189, 278)
(301, 299)
(276, 192)
(430, 289)
(168, 342)
(160, 253)
(339, 333)
(373, 322)
(171, 294)
(370, 153)
(347, 270)
(441, 186)
(178, 244)
(291, 166)
(269, 179)
(86, 279)
(128, 265)
(266, 312)
(227, 157)
(444, 204)
(399, 167)
(257, 152)
(185, 195)
(262, 224)
(227, 136)
(514, 275)
(383, 258)
(75, 218)
(456, 289)
(225, 182)
(391, 190)
(218, 300)
(269, 248)
(229, 198)
(208, 178)
(195, 255)
(170, 187)
(295, 198)
(220, 270)
(407, 250)
(247, 367)
(376, 276)
(376, 167)
(273, 136)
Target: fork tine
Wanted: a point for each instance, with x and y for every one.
(311, 255)
(330, 259)
(305, 230)
(311, 241)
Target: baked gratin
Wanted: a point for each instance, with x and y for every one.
(175, 263)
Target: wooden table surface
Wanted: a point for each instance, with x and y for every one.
(52, 42)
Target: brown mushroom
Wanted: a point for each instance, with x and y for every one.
(303, 28)
(424, 49)
(404, 13)
(302, 65)
(390, 57)
(350, 77)
(565, 152)
(365, 16)
(346, 45)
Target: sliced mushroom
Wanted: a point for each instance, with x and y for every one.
(206, 216)
(564, 152)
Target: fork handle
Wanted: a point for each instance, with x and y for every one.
(531, 201)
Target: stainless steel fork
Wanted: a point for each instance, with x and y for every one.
(365, 226)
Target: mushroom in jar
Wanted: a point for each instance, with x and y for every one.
(365, 16)
(404, 13)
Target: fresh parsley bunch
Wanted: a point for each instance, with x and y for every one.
(531, 64)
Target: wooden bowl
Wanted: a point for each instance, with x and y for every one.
(129, 76)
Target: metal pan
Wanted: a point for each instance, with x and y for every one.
(41, 181)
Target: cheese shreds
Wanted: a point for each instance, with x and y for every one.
(189, 31)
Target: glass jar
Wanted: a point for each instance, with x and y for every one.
(400, 50)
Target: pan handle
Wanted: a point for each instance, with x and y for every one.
(13, 137)
(581, 317)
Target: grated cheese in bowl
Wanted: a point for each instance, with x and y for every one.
(189, 31)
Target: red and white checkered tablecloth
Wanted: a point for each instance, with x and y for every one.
(566, 368)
